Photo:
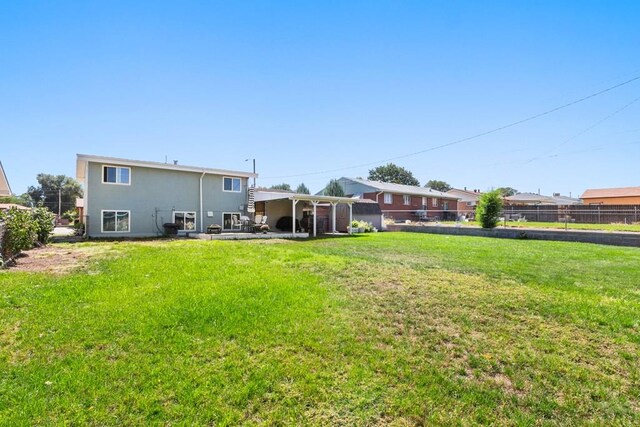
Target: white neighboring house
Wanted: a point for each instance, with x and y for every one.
(467, 201)
(5, 188)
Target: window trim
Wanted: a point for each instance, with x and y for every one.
(195, 222)
(229, 213)
(232, 178)
(434, 202)
(390, 202)
(406, 198)
(117, 175)
(116, 211)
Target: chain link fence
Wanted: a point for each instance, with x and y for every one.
(579, 214)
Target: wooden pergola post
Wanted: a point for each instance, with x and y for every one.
(293, 216)
(333, 217)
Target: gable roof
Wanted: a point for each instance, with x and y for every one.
(400, 188)
(83, 159)
(534, 198)
(565, 200)
(465, 195)
(530, 198)
(5, 188)
(594, 193)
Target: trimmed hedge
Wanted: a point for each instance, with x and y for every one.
(23, 229)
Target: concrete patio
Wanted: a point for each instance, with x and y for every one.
(248, 236)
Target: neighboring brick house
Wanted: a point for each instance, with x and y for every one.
(402, 202)
(612, 196)
(467, 201)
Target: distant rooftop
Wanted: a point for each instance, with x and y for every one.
(534, 198)
(401, 188)
(597, 193)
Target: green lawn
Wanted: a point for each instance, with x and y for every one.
(378, 329)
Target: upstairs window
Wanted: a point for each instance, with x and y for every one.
(232, 184)
(388, 198)
(116, 175)
(406, 199)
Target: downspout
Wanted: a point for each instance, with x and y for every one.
(201, 206)
(85, 196)
(382, 215)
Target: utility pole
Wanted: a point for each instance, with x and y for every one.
(59, 203)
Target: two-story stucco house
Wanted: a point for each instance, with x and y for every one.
(130, 198)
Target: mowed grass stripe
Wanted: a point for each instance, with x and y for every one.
(391, 328)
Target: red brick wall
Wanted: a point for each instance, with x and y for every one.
(398, 210)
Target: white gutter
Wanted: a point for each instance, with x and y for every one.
(85, 196)
(201, 205)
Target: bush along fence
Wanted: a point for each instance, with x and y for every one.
(581, 214)
(23, 229)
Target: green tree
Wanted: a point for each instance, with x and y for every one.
(283, 186)
(333, 188)
(43, 220)
(53, 189)
(302, 189)
(438, 185)
(507, 191)
(393, 174)
(23, 200)
(489, 209)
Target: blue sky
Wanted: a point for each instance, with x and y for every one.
(306, 88)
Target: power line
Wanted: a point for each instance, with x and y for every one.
(554, 151)
(469, 138)
(589, 128)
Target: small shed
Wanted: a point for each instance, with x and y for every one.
(362, 210)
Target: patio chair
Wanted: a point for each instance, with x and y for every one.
(260, 225)
(236, 224)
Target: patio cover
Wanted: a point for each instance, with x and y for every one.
(269, 195)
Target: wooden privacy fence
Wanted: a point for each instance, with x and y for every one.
(584, 214)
